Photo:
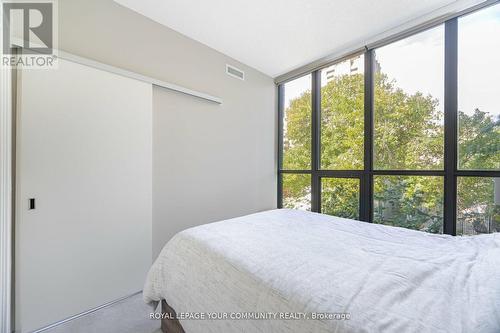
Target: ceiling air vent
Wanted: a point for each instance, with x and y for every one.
(235, 72)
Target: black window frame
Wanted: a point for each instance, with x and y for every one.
(450, 172)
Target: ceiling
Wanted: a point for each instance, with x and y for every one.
(277, 36)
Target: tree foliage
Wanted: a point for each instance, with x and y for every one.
(408, 135)
(479, 149)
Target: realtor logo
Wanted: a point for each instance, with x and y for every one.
(29, 34)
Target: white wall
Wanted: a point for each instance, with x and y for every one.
(210, 161)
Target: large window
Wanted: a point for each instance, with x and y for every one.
(406, 134)
(478, 205)
(478, 198)
(409, 132)
(409, 103)
(479, 90)
(413, 202)
(340, 197)
(297, 191)
(297, 124)
(342, 112)
(295, 143)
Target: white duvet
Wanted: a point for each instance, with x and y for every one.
(291, 265)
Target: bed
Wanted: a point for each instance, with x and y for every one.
(294, 271)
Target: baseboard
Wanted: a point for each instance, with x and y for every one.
(85, 313)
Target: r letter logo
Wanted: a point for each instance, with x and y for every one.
(29, 34)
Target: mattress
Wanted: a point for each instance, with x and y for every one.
(295, 271)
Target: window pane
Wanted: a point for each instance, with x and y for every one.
(478, 90)
(342, 115)
(297, 191)
(478, 205)
(414, 202)
(409, 94)
(297, 124)
(340, 197)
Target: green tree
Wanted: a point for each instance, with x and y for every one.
(408, 136)
(479, 141)
(408, 129)
(479, 149)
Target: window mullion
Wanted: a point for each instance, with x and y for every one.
(281, 104)
(366, 199)
(316, 141)
(450, 125)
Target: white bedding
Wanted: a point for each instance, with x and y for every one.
(292, 262)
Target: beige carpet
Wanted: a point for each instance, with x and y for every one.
(128, 316)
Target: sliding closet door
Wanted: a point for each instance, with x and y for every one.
(84, 145)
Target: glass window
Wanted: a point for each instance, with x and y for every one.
(342, 115)
(408, 132)
(340, 197)
(409, 94)
(297, 191)
(478, 205)
(414, 202)
(479, 90)
(297, 124)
